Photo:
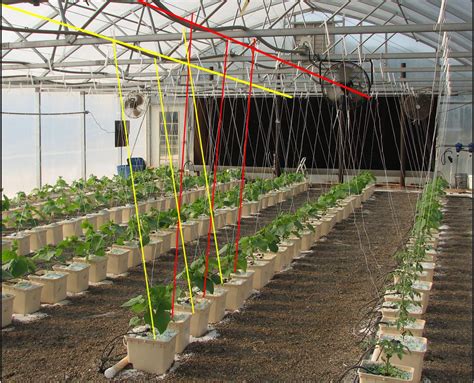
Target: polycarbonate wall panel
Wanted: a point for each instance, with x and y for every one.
(18, 141)
(61, 137)
(137, 138)
(102, 156)
(455, 127)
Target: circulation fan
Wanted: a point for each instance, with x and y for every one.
(135, 105)
(352, 76)
(417, 106)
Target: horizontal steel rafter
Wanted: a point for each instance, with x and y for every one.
(243, 73)
(450, 27)
(293, 58)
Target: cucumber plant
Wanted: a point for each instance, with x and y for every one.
(390, 348)
(160, 300)
(14, 265)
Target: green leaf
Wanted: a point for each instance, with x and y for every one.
(6, 275)
(5, 203)
(273, 246)
(139, 307)
(135, 321)
(242, 263)
(198, 281)
(260, 243)
(161, 319)
(8, 255)
(298, 225)
(178, 292)
(18, 267)
(131, 302)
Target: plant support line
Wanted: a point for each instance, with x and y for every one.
(186, 104)
(211, 213)
(174, 185)
(244, 156)
(216, 161)
(140, 49)
(132, 178)
(254, 49)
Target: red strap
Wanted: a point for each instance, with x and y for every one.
(289, 63)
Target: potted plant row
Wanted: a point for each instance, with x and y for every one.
(243, 270)
(32, 240)
(400, 336)
(52, 233)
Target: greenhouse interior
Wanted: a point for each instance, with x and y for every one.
(237, 191)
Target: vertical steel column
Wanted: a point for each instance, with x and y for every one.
(38, 140)
(148, 134)
(341, 154)
(276, 155)
(83, 138)
(190, 137)
(402, 134)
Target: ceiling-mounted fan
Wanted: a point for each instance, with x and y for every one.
(417, 106)
(135, 104)
(350, 75)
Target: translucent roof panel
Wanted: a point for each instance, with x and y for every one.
(35, 55)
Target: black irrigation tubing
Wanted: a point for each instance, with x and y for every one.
(369, 316)
(106, 358)
(371, 325)
(372, 303)
(369, 312)
(356, 366)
